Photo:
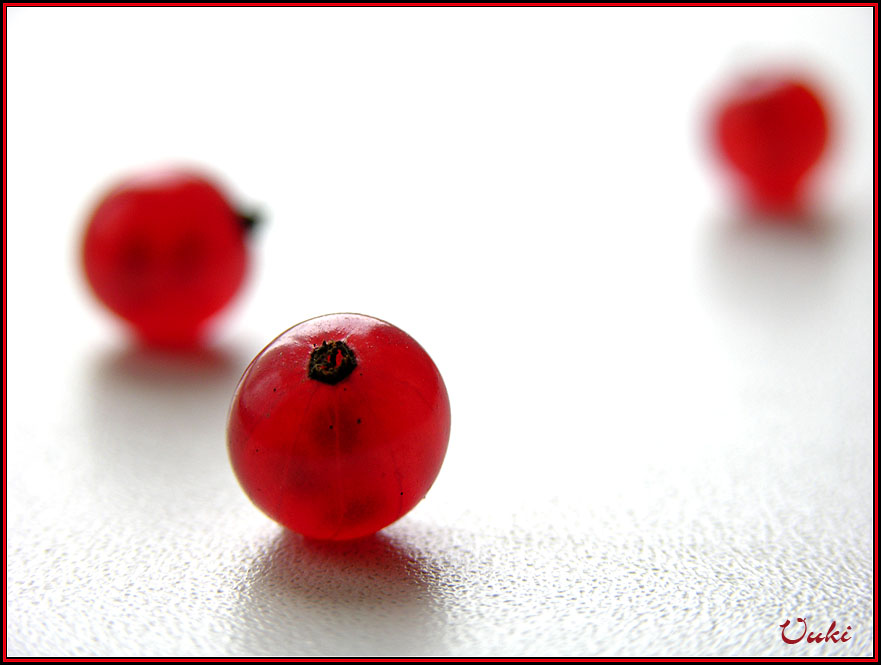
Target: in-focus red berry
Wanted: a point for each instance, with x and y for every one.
(339, 426)
(772, 130)
(165, 251)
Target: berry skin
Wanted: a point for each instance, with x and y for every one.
(165, 251)
(772, 130)
(339, 426)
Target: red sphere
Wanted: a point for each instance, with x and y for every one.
(165, 250)
(772, 130)
(339, 426)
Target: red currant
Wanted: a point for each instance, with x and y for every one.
(772, 129)
(165, 251)
(339, 426)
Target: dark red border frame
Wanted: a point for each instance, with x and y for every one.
(518, 4)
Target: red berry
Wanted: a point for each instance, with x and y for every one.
(772, 130)
(339, 426)
(165, 250)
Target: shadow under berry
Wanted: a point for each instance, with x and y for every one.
(302, 597)
(158, 418)
(775, 271)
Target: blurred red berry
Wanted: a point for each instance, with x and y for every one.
(165, 251)
(339, 426)
(772, 130)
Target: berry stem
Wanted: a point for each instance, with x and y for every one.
(249, 220)
(331, 362)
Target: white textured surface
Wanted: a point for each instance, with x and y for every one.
(662, 420)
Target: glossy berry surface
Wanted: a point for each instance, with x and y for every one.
(165, 251)
(339, 426)
(772, 131)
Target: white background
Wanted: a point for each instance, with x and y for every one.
(662, 417)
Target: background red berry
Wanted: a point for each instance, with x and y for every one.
(165, 250)
(339, 426)
(772, 130)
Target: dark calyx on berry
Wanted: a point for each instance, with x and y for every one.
(249, 219)
(331, 362)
